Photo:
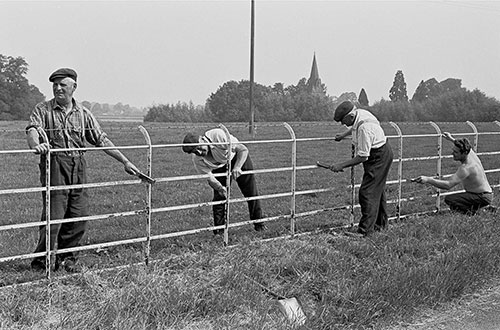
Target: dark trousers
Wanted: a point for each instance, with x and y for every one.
(64, 204)
(468, 202)
(372, 190)
(248, 188)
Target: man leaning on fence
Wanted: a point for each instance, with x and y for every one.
(470, 173)
(66, 124)
(375, 153)
(211, 158)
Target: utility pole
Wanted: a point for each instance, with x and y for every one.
(252, 28)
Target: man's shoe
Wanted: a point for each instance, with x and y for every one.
(259, 226)
(354, 235)
(490, 209)
(354, 232)
(69, 265)
(38, 266)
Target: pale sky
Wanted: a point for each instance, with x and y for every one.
(155, 52)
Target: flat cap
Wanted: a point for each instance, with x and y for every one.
(343, 109)
(63, 73)
(193, 139)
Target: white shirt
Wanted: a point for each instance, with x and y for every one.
(367, 133)
(219, 152)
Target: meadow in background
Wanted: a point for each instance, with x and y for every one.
(196, 280)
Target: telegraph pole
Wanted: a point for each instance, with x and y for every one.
(252, 28)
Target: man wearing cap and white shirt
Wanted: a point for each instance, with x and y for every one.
(67, 124)
(375, 153)
(212, 158)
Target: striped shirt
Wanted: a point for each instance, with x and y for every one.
(67, 129)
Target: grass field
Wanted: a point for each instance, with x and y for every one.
(182, 261)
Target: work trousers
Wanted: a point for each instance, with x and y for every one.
(468, 202)
(248, 188)
(64, 204)
(372, 197)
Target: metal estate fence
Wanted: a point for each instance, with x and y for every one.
(148, 212)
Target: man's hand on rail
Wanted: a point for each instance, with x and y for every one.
(222, 190)
(236, 173)
(336, 168)
(42, 148)
(448, 136)
(130, 168)
(339, 137)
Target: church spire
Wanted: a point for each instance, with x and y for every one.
(314, 82)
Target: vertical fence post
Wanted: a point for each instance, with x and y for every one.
(228, 184)
(400, 168)
(476, 135)
(353, 188)
(48, 252)
(293, 178)
(439, 161)
(147, 248)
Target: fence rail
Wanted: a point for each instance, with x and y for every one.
(148, 211)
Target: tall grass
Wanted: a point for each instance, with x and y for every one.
(342, 283)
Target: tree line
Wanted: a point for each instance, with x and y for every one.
(432, 101)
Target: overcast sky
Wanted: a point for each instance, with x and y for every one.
(156, 52)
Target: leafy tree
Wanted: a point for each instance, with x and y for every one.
(431, 88)
(450, 85)
(363, 98)
(398, 93)
(180, 112)
(458, 104)
(17, 96)
(422, 92)
(386, 110)
(294, 102)
(346, 96)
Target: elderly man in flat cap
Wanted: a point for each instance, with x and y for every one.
(211, 158)
(375, 153)
(67, 124)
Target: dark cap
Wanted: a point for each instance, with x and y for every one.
(63, 73)
(190, 138)
(343, 109)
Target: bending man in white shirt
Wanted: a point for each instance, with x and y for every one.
(212, 158)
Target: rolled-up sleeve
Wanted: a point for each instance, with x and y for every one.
(37, 117)
(365, 142)
(93, 131)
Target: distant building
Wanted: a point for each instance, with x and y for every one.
(314, 82)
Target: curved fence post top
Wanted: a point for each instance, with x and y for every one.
(474, 129)
(396, 127)
(290, 130)
(471, 125)
(145, 133)
(436, 127)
